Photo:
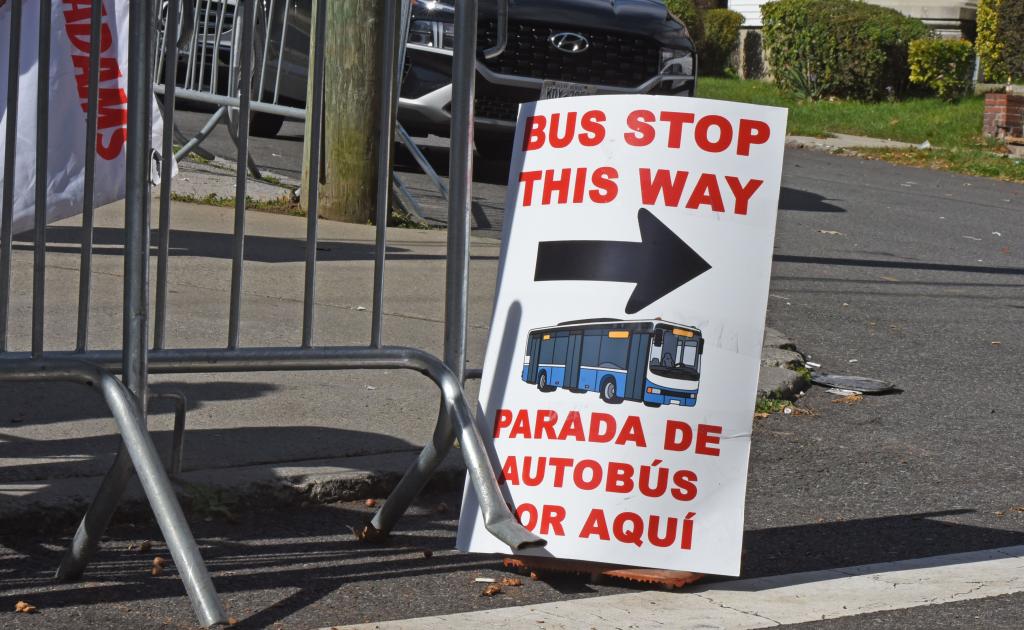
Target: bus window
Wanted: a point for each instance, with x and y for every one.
(561, 347)
(547, 348)
(591, 348)
(613, 353)
(690, 354)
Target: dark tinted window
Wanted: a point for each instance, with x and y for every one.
(613, 353)
(561, 345)
(547, 348)
(591, 348)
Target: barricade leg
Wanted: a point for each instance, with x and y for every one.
(97, 519)
(498, 519)
(142, 455)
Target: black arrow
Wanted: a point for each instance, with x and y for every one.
(659, 264)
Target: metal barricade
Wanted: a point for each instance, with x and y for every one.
(206, 67)
(137, 359)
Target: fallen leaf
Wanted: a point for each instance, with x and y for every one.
(852, 399)
(830, 232)
(534, 576)
(491, 590)
(484, 580)
(997, 343)
(761, 415)
(1000, 514)
(25, 607)
(159, 562)
(510, 581)
(371, 502)
(232, 621)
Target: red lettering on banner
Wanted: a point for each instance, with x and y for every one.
(706, 192)
(592, 125)
(555, 185)
(112, 100)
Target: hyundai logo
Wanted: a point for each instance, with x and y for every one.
(569, 42)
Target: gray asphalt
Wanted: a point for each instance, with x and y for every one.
(923, 286)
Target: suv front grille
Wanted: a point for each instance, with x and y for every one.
(616, 59)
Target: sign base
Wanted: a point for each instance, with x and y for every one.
(596, 570)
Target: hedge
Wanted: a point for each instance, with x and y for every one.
(843, 48)
(687, 13)
(987, 44)
(945, 66)
(721, 39)
(1010, 33)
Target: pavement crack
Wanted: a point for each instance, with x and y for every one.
(741, 611)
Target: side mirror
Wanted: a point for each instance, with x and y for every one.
(700, 348)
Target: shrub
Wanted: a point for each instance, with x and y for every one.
(945, 66)
(844, 48)
(1010, 33)
(721, 38)
(688, 14)
(987, 44)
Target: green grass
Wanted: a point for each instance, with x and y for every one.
(953, 129)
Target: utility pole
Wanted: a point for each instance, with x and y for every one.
(348, 181)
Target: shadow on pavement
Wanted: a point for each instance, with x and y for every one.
(302, 568)
(803, 201)
(266, 249)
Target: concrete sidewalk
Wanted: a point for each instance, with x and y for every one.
(300, 436)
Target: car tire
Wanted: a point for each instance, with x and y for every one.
(264, 125)
(495, 147)
(608, 391)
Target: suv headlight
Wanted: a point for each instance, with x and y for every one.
(432, 24)
(676, 61)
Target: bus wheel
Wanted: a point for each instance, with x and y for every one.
(652, 404)
(542, 381)
(608, 393)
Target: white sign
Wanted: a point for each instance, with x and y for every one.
(622, 365)
(69, 81)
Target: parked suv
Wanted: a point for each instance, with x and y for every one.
(555, 48)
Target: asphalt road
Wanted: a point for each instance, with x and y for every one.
(912, 276)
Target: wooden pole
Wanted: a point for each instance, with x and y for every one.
(348, 179)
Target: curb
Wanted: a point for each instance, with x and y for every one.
(285, 484)
(778, 377)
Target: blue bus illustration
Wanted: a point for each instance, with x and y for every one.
(649, 361)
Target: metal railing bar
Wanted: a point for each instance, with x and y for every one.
(193, 48)
(164, 235)
(89, 187)
(293, 113)
(136, 224)
(244, 77)
(42, 175)
(205, 45)
(421, 160)
(268, 21)
(313, 184)
(406, 199)
(389, 73)
(280, 53)
(193, 143)
(10, 154)
(219, 29)
(460, 200)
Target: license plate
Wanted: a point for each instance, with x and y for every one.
(562, 89)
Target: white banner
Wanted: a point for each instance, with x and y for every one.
(621, 370)
(69, 78)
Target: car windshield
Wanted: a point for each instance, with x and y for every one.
(678, 356)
